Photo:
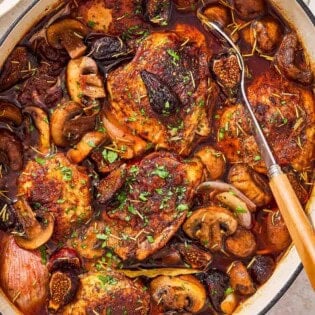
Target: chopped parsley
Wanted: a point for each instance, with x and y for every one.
(174, 55)
(91, 23)
(257, 158)
(150, 239)
(43, 254)
(240, 209)
(161, 171)
(229, 291)
(67, 173)
(107, 280)
(110, 156)
(182, 207)
(40, 160)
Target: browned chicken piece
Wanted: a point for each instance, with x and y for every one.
(151, 206)
(54, 184)
(228, 73)
(250, 9)
(120, 18)
(109, 293)
(285, 60)
(286, 113)
(167, 100)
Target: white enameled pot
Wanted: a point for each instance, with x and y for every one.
(302, 20)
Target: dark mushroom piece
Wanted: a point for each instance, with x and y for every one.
(213, 160)
(159, 12)
(251, 184)
(216, 282)
(285, 60)
(20, 65)
(41, 121)
(209, 225)
(35, 233)
(277, 233)
(83, 80)
(10, 113)
(250, 9)
(68, 34)
(11, 150)
(261, 268)
(240, 279)
(182, 293)
(241, 244)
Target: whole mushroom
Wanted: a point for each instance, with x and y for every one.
(209, 225)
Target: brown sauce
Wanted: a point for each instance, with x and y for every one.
(257, 65)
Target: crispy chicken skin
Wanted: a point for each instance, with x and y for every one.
(110, 293)
(181, 71)
(54, 184)
(151, 206)
(286, 113)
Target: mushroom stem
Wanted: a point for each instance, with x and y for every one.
(36, 234)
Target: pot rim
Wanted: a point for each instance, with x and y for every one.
(299, 268)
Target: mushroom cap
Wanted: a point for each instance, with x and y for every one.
(179, 293)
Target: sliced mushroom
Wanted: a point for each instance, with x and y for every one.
(68, 34)
(111, 184)
(182, 293)
(20, 65)
(63, 287)
(285, 60)
(88, 143)
(277, 232)
(194, 256)
(68, 125)
(239, 207)
(213, 160)
(83, 80)
(267, 32)
(159, 12)
(128, 145)
(42, 124)
(251, 184)
(10, 113)
(216, 282)
(241, 244)
(11, 150)
(261, 268)
(209, 225)
(250, 9)
(35, 233)
(240, 279)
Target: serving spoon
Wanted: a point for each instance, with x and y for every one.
(300, 228)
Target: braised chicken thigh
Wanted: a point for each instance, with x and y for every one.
(167, 100)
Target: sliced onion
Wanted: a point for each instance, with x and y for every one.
(23, 278)
(224, 187)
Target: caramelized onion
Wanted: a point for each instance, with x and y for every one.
(23, 278)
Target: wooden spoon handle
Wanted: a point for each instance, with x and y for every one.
(300, 228)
